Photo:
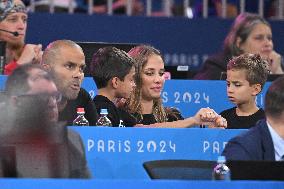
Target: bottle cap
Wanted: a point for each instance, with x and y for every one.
(80, 110)
(221, 159)
(104, 111)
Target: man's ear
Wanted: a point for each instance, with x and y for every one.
(115, 82)
(46, 67)
(238, 42)
(14, 100)
(256, 89)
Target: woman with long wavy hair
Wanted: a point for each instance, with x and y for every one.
(145, 103)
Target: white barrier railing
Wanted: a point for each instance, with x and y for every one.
(242, 6)
(167, 5)
(90, 6)
(109, 7)
(280, 9)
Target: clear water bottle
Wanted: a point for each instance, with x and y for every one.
(221, 170)
(80, 119)
(103, 119)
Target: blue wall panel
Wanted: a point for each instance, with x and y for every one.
(182, 40)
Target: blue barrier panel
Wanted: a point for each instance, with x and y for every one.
(130, 184)
(90, 86)
(191, 95)
(186, 95)
(2, 81)
(120, 152)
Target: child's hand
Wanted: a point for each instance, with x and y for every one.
(220, 122)
(204, 116)
(209, 117)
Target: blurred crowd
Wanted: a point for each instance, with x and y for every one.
(160, 7)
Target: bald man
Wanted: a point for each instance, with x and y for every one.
(65, 60)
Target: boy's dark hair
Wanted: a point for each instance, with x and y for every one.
(110, 62)
(274, 98)
(256, 68)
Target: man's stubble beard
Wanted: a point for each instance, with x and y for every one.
(71, 95)
(66, 93)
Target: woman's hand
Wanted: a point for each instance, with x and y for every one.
(220, 122)
(274, 60)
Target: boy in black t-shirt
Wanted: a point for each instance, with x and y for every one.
(113, 72)
(246, 76)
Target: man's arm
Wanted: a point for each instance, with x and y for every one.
(235, 150)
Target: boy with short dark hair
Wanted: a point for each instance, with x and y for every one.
(246, 76)
(264, 142)
(113, 72)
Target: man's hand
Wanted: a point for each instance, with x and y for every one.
(31, 54)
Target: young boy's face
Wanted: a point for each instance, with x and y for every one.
(239, 90)
(126, 87)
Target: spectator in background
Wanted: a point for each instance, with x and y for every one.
(145, 102)
(44, 148)
(232, 7)
(249, 34)
(275, 8)
(118, 6)
(265, 141)
(198, 8)
(59, 6)
(65, 60)
(13, 18)
(246, 76)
